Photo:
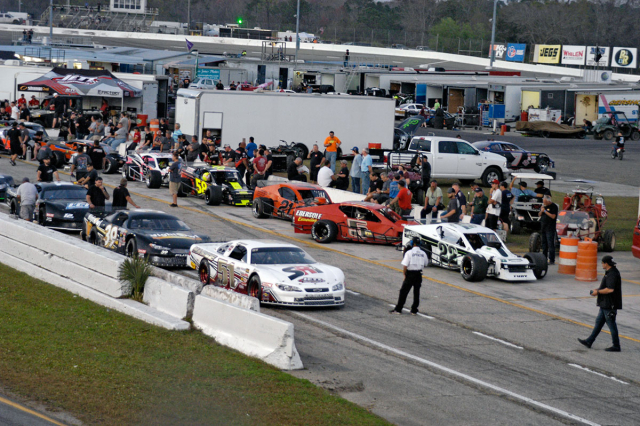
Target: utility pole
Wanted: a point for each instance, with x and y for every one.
(297, 36)
(493, 34)
(189, 17)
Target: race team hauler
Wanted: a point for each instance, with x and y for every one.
(281, 199)
(273, 272)
(161, 238)
(216, 184)
(350, 221)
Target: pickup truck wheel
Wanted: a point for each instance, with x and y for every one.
(539, 264)
(473, 267)
(635, 136)
(490, 175)
(535, 242)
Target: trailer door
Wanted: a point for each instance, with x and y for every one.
(187, 115)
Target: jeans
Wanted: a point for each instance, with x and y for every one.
(412, 279)
(365, 181)
(331, 157)
(429, 209)
(603, 316)
(549, 244)
(477, 219)
(355, 185)
(116, 142)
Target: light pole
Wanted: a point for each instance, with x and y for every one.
(493, 34)
(50, 22)
(297, 37)
(188, 17)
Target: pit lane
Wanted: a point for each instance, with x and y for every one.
(543, 317)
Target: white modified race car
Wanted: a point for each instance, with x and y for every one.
(273, 272)
(150, 167)
(475, 251)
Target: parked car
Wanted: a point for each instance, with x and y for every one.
(215, 184)
(281, 199)
(149, 167)
(13, 18)
(517, 158)
(405, 110)
(202, 83)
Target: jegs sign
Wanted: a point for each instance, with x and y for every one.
(547, 53)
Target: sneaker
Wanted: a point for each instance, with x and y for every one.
(613, 349)
(13, 163)
(173, 205)
(584, 342)
(414, 313)
(551, 263)
(394, 312)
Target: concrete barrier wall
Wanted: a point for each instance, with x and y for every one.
(251, 333)
(240, 300)
(168, 298)
(179, 280)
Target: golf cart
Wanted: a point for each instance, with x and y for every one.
(612, 122)
(525, 208)
(583, 218)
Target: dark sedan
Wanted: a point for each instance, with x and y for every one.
(517, 158)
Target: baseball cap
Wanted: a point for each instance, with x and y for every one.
(608, 260)
(27, 180)
(226, 145)
(496, 181)
(539, 182)
(451, 191)
(478, 189)
(355, 149)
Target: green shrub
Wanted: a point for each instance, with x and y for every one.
(135, 271)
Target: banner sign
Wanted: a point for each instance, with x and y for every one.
(591, 55)
(624, 57)
(81, 83)
(209, 73)
(515, 52)
(499, 49)
(573, 55)
(547, 53)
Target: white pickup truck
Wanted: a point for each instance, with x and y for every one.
(451, 158)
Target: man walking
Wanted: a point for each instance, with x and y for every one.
(548, 214)
(97, 195)
(413, 262)
(14, 143)
(609, 300)
(121, 197)
(27, 195)
(356, 173)
(331, 144)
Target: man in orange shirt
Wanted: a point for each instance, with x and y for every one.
(403, 199)
(331, 145)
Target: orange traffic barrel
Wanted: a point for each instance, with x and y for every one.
(503, 129)
(587, 261)
(155, 125)
(568, 256)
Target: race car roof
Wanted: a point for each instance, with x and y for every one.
(251, 243)
(465, 228)
(147, 213)
(533, 176)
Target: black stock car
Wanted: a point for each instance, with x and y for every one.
(216, 184)
(60, 205)
(517, 158)
(163, 239)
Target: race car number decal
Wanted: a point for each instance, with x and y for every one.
(111, 236)
(299, 271)
(201, 186)
(448, 253)
(225, 274)
(358, 228)
(286, 207)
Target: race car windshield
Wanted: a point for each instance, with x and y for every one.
(280, 256)
(391, 215)
(77, 193)
(158, 224)
(486, 239)
(309, 194)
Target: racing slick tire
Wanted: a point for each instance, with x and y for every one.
(324, 231)
(304, 151)
(473, 267)
(608, 241)
(535, 242)
(515, 227)
(131, 248)
(261, 208)
(490, 174)
(58, 159)
(542, 166)
(153, 179)
(204, 273)
(213, 196)
(110, 166)
(93, 237)
(539, 263)
(608, 134)
(42, 216)
(183, 188)
(635, 136)
(254, 287)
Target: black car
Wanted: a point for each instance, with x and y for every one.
(60, 205)
(163, 239)
(517, 158)
(6, 182)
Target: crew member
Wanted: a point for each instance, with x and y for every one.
(548, 214)
(521, 191)
(462, 200)
(47, 172)
(317, 161)
(97, 195)
(331, 144)
(479, 205)
(505, 207)
(609, 300)
(402, 200)
(97, 155)
(413, 262)
(228, 156)
(259, 164)
(293, 172)
(432, 201)
(90, 178)
(14, 141)
(27, 196)
(540, 190)
(452, 215)
(121, 196)
(174, 178)
(80, 163)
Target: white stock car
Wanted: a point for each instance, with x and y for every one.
(151, 167)
(273, 272)
(475, 251)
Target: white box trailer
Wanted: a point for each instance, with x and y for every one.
(628, 102)
(293, 117)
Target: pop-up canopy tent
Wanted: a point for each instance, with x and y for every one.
(81, 83)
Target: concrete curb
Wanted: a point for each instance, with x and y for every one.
(168, 298)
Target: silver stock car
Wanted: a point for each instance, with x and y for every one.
(475, 251)
(273, 272)
(150, 167)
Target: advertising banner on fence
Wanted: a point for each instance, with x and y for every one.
(591, 55)
(515, 52)
(573, 55)
(624, 57)
(547, 53)
(500, 50)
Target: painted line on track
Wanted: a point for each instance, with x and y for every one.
(450, 371)
(29, 411)
(355, 293)
(409, 311)
(497, 340)
(598, 374)
(373, 262)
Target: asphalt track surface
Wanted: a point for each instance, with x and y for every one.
(13, 413)
(480, 353)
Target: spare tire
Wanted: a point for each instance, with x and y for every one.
(324, 231)
(539, 264)
(473, 267)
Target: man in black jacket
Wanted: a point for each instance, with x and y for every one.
(609, 300)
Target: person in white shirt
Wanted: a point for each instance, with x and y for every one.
(413, 262)
(325, 175)
(493, 211)
(15, 111)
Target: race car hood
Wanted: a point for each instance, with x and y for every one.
(174, 240)
(305, 276)
(511, 259)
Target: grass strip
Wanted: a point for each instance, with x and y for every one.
(107, 368)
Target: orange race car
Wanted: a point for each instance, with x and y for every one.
(283, 198)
